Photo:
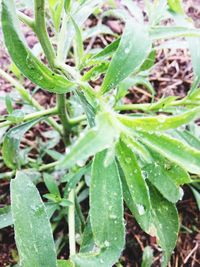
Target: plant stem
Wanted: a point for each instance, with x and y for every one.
(41, 32)
(61, 106)
(71, 223)
(32, 116)
(26, 20)
(62, 113)
(154, 106)
(28, 98)
(45, 167)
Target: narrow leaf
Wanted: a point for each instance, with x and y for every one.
(165, 224)
(134, 183)
(147, 257)
(33, 233)
(22, 56)
(106, 203)
(160, 32)
(93, 141)
(5, 217)
(159, 122)
(11, 143)
(174, 150)
(129, 56)
(106, 236)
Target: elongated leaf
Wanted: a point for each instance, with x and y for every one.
(88, 108)
(196, 195)
(158, 175)
(87, 243)
(108, 50)
(160, 122)
(188, 138)
(56, 11)
(79, 49)
(5, 217)
(176, 6)
(165, 223)
(22, 56)
(134, 184)
(33, 233)
(79, 15)
(11, 143)
(160, 32)
(129, 56)
(194, 47)
(147, 257)
(93, 141)
(64, 263)
(153, 222)
(106, 202)
(174, 150)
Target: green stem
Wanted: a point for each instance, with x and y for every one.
(41, 32)
(26, 20)
(154, 106)
(61, 105)
(71, 223)
(45, 167)
(62, 113)
(79, 213)
(28, 98)
(35, 115)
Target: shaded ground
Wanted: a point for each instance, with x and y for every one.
(172, 76)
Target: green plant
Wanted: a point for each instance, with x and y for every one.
(141, 159)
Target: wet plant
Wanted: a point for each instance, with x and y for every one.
(139, 159)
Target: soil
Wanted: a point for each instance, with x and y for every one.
(171, 76)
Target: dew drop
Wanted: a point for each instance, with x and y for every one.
(141, 209)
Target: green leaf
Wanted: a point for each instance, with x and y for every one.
(64, 263)
(163, 32)
(188, 138)
(196, 195)
(106, 203)
(87, 243)
(56, 7)
(9, 106)
(159, 122)
(147, 257)
(129, 82)
(22, 56)
(95, 72)
(96, 31)
(79, 49)
(5, 217)
(154, 222)
(174, 150)
(67, 6)
(108, 50)
(11, 143)
(93, 141)
(129, 56)
(194, 47)
(149, 62)
(165, 223)
(51, 184)
(80, 13)
(134, 185)
(176, 6)
(33, 232)
(106, 215)
(159, 175)
(88, 108)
